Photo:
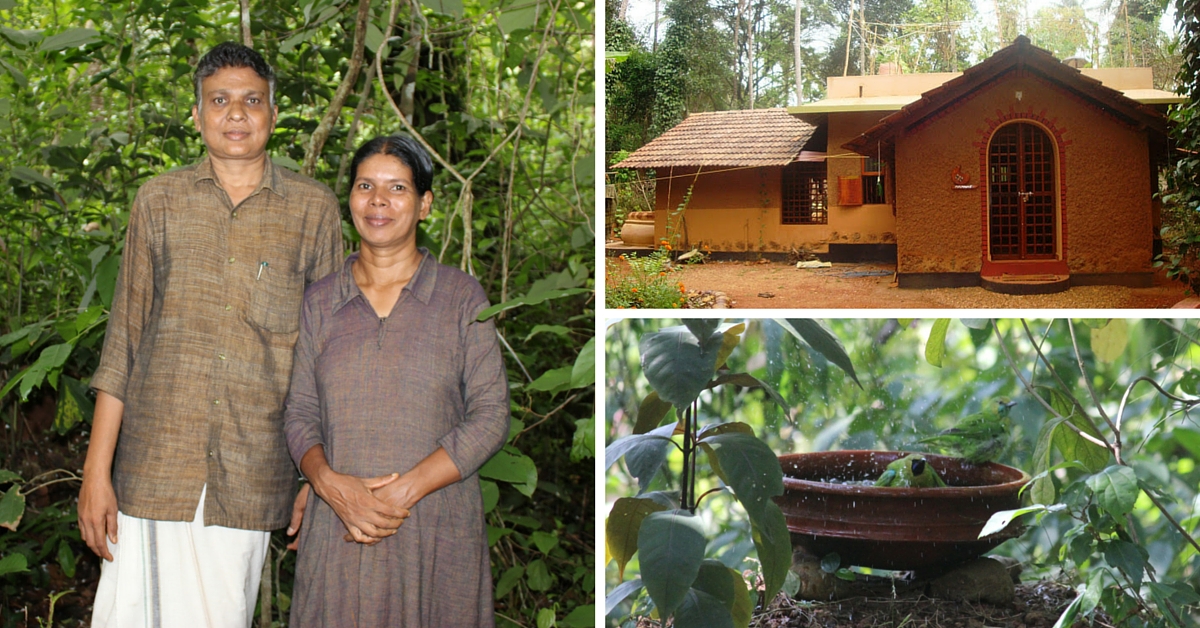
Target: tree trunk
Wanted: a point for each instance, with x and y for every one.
(246, 40)
(862, 38)
(798, 50)
(624, 10)
(339, 97)
(750, 74)
(654, 41)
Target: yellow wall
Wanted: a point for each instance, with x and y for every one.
(735, 209)
(1106, 195)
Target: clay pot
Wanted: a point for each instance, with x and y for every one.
(638, 229)
(895, 528)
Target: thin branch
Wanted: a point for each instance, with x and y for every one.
(334, 112)
(1087, 381)
(1021, 376)
(546, 416)
(1180, 331)
(514, 355)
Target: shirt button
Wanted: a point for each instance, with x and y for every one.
(235, 214)
(228, 307)
(231, 260)
(210, 453)
(216, 402)
(221, 355)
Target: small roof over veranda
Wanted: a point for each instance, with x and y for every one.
(746, 138)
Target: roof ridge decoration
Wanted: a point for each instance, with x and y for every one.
(1020, 56)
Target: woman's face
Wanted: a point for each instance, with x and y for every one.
(384, 202)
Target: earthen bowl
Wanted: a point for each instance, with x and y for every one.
(924, 529)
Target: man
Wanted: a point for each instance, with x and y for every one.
(196, 365)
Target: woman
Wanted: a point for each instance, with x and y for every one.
(398, 396)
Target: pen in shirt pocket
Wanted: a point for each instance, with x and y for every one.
(261, 266)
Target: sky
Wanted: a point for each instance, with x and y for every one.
(641, 14)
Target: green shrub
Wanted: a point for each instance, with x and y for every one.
(645, 283)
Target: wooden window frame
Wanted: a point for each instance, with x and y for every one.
(874, 181)
(804, 194)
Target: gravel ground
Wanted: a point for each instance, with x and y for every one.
(780, 285)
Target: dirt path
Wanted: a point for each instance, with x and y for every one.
(871, 286)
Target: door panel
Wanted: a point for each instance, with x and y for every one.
(1021, 207)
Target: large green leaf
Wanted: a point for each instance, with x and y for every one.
(531, 299)
(1130, 558)
(747, 465)
(651, 412)
(817, 336)
(621, 528)
(773, 542)
(728, 586)
(1108, 342)
(620, 592)
(671, 545)
(702, 327)
(731, 335)
(1116, 489)
(621, 446)
(645, 459)
(29, 175)
(12, 508)
(70, 38)
(583, 444)
(677, 364)
(13, 563)
(510, 465)
(584, 371)
(74, 405)
(935, 346)
(701, 610)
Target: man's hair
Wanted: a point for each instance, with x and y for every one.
(404, 148)
(232, 55)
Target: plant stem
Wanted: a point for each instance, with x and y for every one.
(685, 480)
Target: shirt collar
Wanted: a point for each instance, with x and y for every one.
(420, 286)
(270, 179)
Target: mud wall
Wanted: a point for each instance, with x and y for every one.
(1103, 172)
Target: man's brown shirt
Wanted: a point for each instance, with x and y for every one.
(200, 338)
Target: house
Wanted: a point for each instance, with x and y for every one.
(1021, 174)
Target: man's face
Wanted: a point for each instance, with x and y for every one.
(235, 117)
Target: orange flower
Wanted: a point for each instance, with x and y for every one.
(634, 290)
(662, 274)
(663, 242)
(667, 246)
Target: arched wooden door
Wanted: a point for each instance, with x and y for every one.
(1022, 217)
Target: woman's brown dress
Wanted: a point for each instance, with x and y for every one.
(381, 395)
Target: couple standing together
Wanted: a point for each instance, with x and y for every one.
(239, 335)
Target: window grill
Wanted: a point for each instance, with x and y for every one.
(805, 193)
(1021, 193)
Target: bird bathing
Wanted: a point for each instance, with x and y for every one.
(828, 508)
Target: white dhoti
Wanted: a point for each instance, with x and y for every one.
(168, 574)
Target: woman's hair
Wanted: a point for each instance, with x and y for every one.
(404, 148)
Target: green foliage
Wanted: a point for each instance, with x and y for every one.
(1181, 202)
(642, 282)
(1113, 510)
(95, 98)
(666, 531)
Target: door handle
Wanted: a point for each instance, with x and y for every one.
(1025, 196)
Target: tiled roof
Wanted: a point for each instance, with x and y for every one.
(757, 137)
(1020, 56)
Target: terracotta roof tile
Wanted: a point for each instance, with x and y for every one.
(758, 137)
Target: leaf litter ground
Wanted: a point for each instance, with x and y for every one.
(1037, 605)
